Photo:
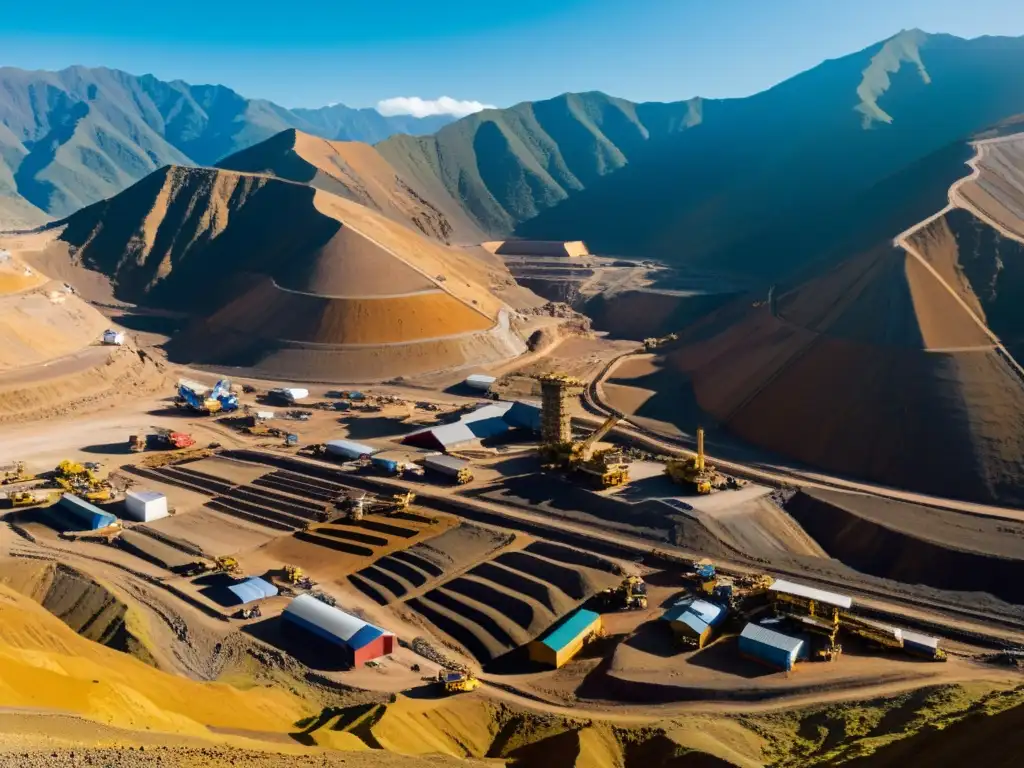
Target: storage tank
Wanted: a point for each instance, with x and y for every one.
(145, 506)
(349, 449)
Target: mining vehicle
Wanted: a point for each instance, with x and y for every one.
(693, 472)
(630, 595)
(249, 613)
(175, 441)
(295, 576)
(82, 481)
(137, 443)
(16, 474)
(705, 577)
(202, 399)
(228, 565)
(608, 468)
(457, 682)
(28, 498)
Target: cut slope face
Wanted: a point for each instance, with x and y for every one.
(293, 281)
(47, 666)
(359, 173)
(873, 371)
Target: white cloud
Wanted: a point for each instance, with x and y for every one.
(417, 107)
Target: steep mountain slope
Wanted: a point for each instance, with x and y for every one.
(738, 191)
(507, 165)
(292, 281)
(70, 138)
(358, 172)
(898, 365)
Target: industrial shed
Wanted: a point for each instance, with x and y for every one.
(145, 506)
(349, 449)
(566, 640)
(483, 423)
(253, 588)
(769, 647)
(357, 640)
(694, 620)
(79, 515)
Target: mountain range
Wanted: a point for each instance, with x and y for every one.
(761, 185)
(70, 138)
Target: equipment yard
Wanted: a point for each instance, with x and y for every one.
(536, 537)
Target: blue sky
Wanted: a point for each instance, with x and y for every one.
(310, 53)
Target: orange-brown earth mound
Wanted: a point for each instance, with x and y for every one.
(358, 172)
(292, 281)
(874, 371)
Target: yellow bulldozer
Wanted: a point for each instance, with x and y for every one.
(82, 481)
(295, 575)
(630, 595)
(28, 498)
(228, 565)
(457, 682)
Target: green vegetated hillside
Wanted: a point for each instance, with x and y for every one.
(759, 185)
(508, 165)
(73, 137)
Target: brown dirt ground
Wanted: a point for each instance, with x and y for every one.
(906, 405)
(916, 545)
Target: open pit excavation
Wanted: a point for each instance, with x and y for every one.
(890, 368)
(300, 467)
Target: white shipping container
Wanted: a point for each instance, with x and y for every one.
(145, 506)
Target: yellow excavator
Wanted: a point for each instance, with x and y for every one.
(608, 467)
(693, 471)
(80, 480)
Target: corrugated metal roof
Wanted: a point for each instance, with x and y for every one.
(707, 612)
(492, 411)
(450, 435)
(770, 637)
(523, 416)
(693, 621)
(88, 514)
(349, 448)
(571, 629)
(811, 593)
(332, 621)
(253, 588)
(448, 462)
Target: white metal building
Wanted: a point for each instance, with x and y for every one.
(145, 506)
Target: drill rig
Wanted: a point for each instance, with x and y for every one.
(693, 471)
(558, 450)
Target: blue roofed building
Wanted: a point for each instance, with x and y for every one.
(693, 620)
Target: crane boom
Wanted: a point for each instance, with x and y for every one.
(597, 434)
